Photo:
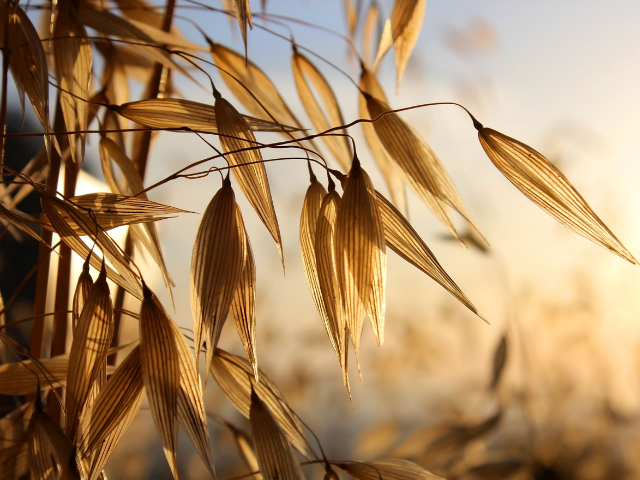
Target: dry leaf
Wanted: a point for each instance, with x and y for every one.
(360, 255)
(243, 306)
(235, 134)
(89, 348)
(160, 372)
(176, 113)
(275, 458)
(304, 71)
(233, 374)
(217, 261)
(401, 30)
(401, 237)
(391, 469)
(72, 53)
(548, 188)
(392, 173)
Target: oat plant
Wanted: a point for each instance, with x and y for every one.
(71, 62)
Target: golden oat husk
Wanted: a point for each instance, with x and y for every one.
(360, 254)
(243, 306)
(388, 469)
(547, 187)
(401, 30)
(80, 294)
(401, 237)
(177, 113)
(304, 72)
(392, 173)
(275, 458)
(161, 373)
(89, 349)
(421, 167)
(217, 260)
(233, 374)
(235, 134)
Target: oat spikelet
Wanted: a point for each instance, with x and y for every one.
(217, 261)
(392, 173)
(235, 134)
(83, 287)
(303, 72)
(390, 469)
(161, 373)
(547, 187)
(89, 349)
(401, 30)
(243, 306)
(275, 458)
(360, 254)
(233, 374)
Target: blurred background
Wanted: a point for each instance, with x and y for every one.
(551, 388)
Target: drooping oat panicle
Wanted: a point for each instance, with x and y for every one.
(401, 237)
(217, 261)
(401, 30)
(110, 150)
(116, 404)
(328, 268)
(28, 63)
(81, 293)
(250, 78)
(72, 53)
(233, 375)
(123, 276)
(243, 306)
(24, 378)
(275, 458)
(421, 167)
(547, 187)
(360, 255)
(161, 373)
(303, 72)
(391, 171)
(243, 13)
(389, 469)
(179, 113)
(89, 349)
(235, 134)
